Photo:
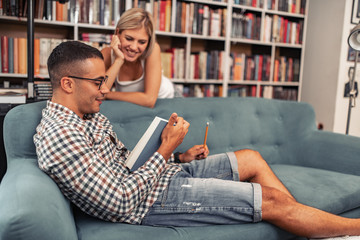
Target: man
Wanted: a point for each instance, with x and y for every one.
(77, 147)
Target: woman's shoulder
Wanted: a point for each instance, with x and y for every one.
(106, 51)
(155, 53)
(156, 47)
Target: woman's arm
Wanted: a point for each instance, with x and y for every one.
(112, 69)
(152, 83)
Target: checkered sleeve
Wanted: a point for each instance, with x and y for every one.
(171, 159)
(90, 181)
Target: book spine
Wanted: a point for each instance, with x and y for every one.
(16, 55)
(4, 54)
(22, 43)
(11, 54)
(101, 11)
(59, 12)
(36, 56)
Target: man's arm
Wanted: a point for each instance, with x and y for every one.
(173, 135)
(90, 178)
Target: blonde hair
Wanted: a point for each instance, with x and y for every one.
(136, 18)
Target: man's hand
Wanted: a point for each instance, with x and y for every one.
(196, 152)
(173, 135)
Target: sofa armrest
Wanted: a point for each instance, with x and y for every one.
(32, 206)
(331, 151)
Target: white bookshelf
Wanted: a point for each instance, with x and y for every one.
(190, 42)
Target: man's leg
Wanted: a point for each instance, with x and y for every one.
(253, 168)
(281, 209)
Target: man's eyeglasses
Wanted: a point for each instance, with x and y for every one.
(100, 79)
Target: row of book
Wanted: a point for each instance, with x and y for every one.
(199, 90)
(204, 65)
(286, 69)
(13, 55)
(283, 93)
(162, 15)
(270, 92)
(241, 91)
(14, 52)
(173, 63)
(251, 3)
(283, 30)
(291, 6)
(103, 12)
(257, 68)
(197, 18)
(207, 65)
(43, 9)
(99, 38)
(246, 25)
(246, 67)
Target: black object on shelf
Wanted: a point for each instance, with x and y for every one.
(4, 108)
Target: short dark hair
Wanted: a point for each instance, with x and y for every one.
(66, 59)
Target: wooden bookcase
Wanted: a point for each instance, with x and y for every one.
(222, 43)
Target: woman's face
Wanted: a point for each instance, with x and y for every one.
(133, 43)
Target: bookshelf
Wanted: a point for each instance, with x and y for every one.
(217, 52)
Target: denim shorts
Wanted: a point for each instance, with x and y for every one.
(207, 192)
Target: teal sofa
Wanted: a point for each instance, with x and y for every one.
(320, 168)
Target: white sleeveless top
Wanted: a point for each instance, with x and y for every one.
(166, 87)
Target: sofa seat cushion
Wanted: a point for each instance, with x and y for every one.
(327, 190)
(90, 228)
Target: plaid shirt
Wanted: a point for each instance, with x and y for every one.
(87, 161)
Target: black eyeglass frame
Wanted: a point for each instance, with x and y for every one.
(104, 80)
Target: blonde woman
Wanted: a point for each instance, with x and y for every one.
(133, 62)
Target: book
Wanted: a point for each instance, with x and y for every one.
(16, 55)
(36, 56)
(10, 96)
(22, 45)
(4, 54)
(11, 54)
(147, 145)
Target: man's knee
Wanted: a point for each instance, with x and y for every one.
(275, 203)
(251, 156)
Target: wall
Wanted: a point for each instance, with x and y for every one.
(341, 102)
(325, 64)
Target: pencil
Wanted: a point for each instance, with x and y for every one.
(206, 132)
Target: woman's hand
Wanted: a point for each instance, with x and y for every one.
(116, 47)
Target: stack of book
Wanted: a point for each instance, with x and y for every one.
(13, 95)
(42, 90)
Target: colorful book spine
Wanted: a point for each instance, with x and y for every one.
(4, 54)
(22, 45)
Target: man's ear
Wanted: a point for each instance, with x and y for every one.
(67, 84)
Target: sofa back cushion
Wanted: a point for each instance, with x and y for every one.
(272, 127)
